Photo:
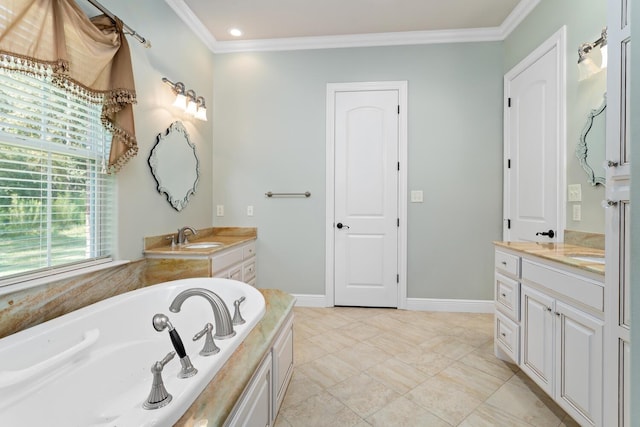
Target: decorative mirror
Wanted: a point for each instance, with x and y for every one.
(174, 165)
(591, 149)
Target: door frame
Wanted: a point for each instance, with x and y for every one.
(332, 89)
(559, 41)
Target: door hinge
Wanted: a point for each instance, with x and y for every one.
(509, 224)
(398, 109)
(509, 102)
(508, 163)
(398, 165)
(398, 222)
(397, 278)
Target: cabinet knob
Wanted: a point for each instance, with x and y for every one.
(503, 295)
(549, 309)
(503, 334)
(504, 262)
(612, 164)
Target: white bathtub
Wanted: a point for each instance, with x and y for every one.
(91, 367)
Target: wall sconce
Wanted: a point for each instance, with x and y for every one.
(187, 100)
(586, 65)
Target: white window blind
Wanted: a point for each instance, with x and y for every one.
(56, 200)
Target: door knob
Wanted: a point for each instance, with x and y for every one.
(341, 225)
(549, 233)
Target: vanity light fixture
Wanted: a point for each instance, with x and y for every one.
(586, 65)
(187, 100)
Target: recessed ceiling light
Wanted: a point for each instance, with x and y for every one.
(235, 32)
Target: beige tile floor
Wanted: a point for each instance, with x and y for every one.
(383, 367)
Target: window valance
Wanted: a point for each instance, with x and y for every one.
(88, 57)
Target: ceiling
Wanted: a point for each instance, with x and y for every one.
(299, 24)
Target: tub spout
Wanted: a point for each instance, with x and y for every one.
(222, 318)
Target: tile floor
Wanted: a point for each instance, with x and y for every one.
(383, 367)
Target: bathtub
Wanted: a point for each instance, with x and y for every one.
(92, 367)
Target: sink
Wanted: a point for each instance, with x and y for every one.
(202, 245)
(596, 259)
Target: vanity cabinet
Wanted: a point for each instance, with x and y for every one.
(238, 263)
(549, 320)
(261, 399)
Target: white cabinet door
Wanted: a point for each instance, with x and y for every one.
(255, 408)
(282, 363)
(579, 364)
(537, 337)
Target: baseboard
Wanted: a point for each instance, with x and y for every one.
(450, 305)
(303, 300)
(415, 304)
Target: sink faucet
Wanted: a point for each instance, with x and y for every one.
(182, 239)
(223, 322)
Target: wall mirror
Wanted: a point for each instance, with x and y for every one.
(591, 149)
(174, 165)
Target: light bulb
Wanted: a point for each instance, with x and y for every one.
(192, 108)
(604, 54)
(202, 114)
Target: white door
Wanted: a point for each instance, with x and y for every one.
(366, 198)
(534, 148)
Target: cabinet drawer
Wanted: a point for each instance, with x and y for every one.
(578, 288)
(226, 259)
(249, 250)
(508, 263)
(249, 270)
(236, 274)
(507, 335)
(508, 296)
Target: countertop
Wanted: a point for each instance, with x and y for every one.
(215, 403)
(228, 236)
(559, 252)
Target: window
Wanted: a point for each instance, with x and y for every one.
(56, 199)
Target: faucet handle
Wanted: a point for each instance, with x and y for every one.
(237, 317)
(210, 346)
(173, 240)
(158, 396)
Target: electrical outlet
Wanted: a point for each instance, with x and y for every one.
(575, 193)
(577, 212)
(416, 196)
(249, 210)
(220, 210)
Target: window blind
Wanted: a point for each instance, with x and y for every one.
(56, 199)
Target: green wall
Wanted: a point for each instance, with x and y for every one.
(584, 22)
(269, 135)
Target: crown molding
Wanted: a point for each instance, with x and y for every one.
(185, 13)
(518, 14)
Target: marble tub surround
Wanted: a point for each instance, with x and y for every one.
(215, 403)
(559, 252)
(228, 236)
(581, 238)
(25, 308)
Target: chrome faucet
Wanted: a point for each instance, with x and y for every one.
(182, 239)
(223, 322)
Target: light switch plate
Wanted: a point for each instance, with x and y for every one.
(417, 196)
(575, 193)
(249, 210)
(220, 210)
(577, 212)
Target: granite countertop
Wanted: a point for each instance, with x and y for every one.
(560, 252)
(215, 403)
(228, 236)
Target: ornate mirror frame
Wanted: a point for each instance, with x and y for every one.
(582, 150)
(175, 165)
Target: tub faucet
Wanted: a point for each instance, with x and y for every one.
(182, 239)
(223, 322)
